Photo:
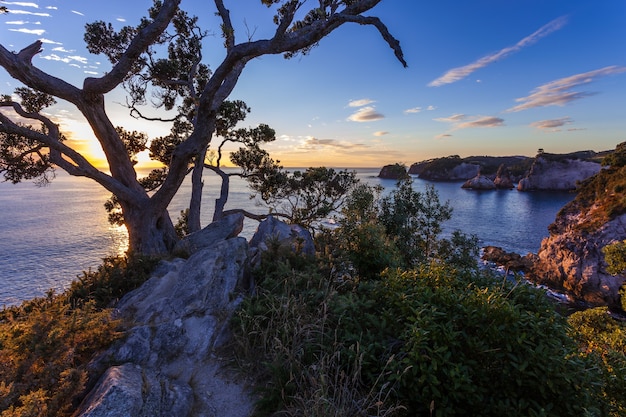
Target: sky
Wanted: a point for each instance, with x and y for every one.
(486, 77)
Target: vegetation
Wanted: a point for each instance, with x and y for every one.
(46, 344)
(158, 61)
(381, 325)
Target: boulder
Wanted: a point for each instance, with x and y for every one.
(511, 261)
(479, 182)
(177, 321)
(557, 175)
(225, 228)
(503, 178)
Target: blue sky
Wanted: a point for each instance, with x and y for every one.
(487, 77)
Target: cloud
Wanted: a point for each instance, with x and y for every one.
(559, 92)
(30, 13)
(455, 118)
(486, 121)
(552, 124)
(44, 40)
(381, 133)
(315, 143)
(21, 4)
(360, 103)
(413, 110)
(431, 108)
(67, 59)
(78, 13)
(60, 49)
(458, 123)
(459, 73)
(366, 114)
(37, 32)
(120, 19)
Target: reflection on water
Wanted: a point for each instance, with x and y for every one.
(51, 234)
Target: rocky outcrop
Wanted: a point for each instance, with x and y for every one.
(509, 260)
(571, 260)
(455, 168)
(571, 257)
(479, 182)
(168, 363)
(504, 179)
(286, 236)
(393, 172)
(557, 174)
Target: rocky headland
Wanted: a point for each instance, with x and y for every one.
(545, 171)
(558, 172)
(571, 258)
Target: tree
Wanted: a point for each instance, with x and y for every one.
(181, 85)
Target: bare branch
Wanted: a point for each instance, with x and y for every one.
(378, 24)
(30, 51)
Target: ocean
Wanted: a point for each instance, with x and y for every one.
(50, 235)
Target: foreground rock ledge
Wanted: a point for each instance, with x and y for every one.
(167, 365)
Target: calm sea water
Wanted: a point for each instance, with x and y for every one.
(50, 235)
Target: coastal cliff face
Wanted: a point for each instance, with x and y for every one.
(571, 258)
(557, 175)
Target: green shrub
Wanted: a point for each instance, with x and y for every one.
(47, 343)
(603, 339)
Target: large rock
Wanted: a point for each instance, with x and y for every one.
(479, 182)
(571, 259)
(178, 319)
(504, 179)
(557, 174)
(225, 228)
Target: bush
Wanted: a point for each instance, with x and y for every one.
(47, 343)
(603, 339)
(428, 341)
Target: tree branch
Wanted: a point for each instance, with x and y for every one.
(227, 27)
(140, 43)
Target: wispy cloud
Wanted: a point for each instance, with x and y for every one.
(22, 4)
(552, 124)
(315, 143)
(366, 114)
(66, 59)
(459, 73)
(44, 40)
(481, 121)
(78, 13)
(37, 32)
(461, 121)
(413, 110)
(455, 118)
(30, 13)
(360, 103)
(381, 133)
(559, 92)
